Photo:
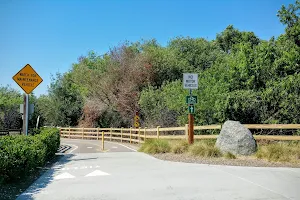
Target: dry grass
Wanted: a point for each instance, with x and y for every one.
(229, 155)
(154, 146)
(204, 149)
(280, 152)
(179, 146)
(272, 151)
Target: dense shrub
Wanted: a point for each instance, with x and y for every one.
(21, 154)
(51, 139)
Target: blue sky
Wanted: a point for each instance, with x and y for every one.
(51, 34)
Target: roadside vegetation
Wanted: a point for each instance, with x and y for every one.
(21, 155)
(280, 152)
(155, 146)
(271, 152)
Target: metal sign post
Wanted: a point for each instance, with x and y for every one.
(191, 128)
(28, 80)
(27, 114)
(191, 121)
(190, 81)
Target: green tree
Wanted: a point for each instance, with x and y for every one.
(290, 16)
(63, 105)
(196, 54)
(231, 36)
(10, 100)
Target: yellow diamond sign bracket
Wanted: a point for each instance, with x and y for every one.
(27, 79)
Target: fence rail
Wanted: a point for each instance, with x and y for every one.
(5, 132)
(139, 135)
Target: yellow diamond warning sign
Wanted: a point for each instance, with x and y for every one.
(136, 118)
(136, 124)
(27, 79)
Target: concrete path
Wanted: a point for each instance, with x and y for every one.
(92, 146)
(137, 176)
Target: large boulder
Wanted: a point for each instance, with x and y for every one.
(236, 139)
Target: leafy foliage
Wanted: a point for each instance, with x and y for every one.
(21, 154)
(290, 16)
(10, 100)
(63, 105)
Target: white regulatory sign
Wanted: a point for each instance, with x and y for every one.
(190, 81)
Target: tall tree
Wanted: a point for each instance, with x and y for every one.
(63, 105)
(290, 16)
(10, 100)
(231, 36)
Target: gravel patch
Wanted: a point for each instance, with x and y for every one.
(240, 161)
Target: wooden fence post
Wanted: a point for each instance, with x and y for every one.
(139, 135)
(158, 132)
(82, 132)
(186, 131)
(121, 134)
(69, 132)
(110, 133)
(98, 133)
(145, 134)
(102, 140)
(130, 135)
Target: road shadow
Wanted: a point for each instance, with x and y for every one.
(80, 159)
(46, 178)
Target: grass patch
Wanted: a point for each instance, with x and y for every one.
(272, 151)
(154, 146)
(229, 155)
(179, 146)
(204, 149)
(280, 152)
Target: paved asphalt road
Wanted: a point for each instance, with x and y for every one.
(137, 176)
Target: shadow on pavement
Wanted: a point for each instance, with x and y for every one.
(84, 159)
(45, 179)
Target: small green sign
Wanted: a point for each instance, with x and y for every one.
(191, 99)
(191, 109)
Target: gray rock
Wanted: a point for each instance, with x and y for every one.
(236, 139)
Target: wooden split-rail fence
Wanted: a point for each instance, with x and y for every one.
(139, 135)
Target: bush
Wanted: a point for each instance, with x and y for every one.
(279, 152)
(204, 149)
(35, 131)
(179, 147)
(21, 154)
(51, 139)
(154, 146)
